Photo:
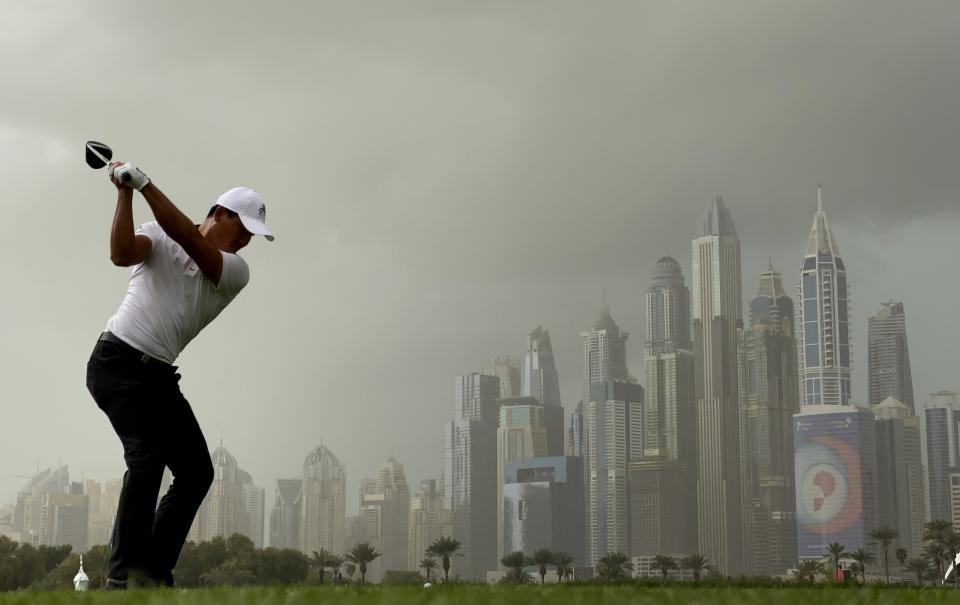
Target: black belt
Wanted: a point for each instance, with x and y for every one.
(137, 354)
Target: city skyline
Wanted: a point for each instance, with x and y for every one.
(583, 142)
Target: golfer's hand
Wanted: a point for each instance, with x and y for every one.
(125, 174)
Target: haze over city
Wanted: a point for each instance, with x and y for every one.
(444, 178)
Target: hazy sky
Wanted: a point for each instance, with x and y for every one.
(443, 177)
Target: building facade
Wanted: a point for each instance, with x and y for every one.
(717, 315)
(901, 489)
(888, 357)
(613, 427)
(470, 472)
(942, 432)
(604, 353)
(823, 321)
(543, 506)
(836, 478)
(541, 381)
(769, 397)
(323, 502)
(385, 501)
(521, 433)
(285, 515)
(429, 520)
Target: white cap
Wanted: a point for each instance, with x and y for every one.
(247, 203)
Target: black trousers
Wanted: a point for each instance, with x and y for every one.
(142, 399)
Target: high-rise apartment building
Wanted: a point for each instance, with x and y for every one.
(942, 428)
(507, 369)
(901, 493)
(836, 478)
(769, 397)
(323, 502)
(888, 356)
(233, 504)
(823, 328)
(613, 427)
(429, 520)
(521, 433)
(604, 352)
(668, 309)
(543, 501)
(540, 381)
(663, 482)
(470, 472)
(286, 513)
(717, 315)
(385, 501)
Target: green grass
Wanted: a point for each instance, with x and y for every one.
(506, 595)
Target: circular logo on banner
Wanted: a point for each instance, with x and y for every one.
(829, 498)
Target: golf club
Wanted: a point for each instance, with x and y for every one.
(99, 155)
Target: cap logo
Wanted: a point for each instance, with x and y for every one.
(262, 213)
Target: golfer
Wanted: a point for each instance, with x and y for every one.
(183, 277)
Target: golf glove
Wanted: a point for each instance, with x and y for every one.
(130, 175)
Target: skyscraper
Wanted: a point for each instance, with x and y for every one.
(823, 336)
(900, 480)
(888, 355)
(668, 309)
(942, 426)
(470, 472)
(613, 429)
(385, 500)
(429, 520)
(540, 380)
(663, 483)
(521, 433)
(769, 397)
(604, 352)
(717, 315)
(507, 369)
(285, 516)
(323, 502)
(233, 504)
(836, 478)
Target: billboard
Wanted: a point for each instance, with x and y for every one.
(829, 482)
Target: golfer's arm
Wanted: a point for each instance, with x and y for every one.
(182, 230)
(126, 248)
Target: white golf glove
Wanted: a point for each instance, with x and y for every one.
(129, 175)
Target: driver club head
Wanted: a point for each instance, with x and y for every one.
(98, 155)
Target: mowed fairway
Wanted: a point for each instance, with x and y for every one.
(481, 595)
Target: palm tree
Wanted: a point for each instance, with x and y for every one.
(665, 563)
(542, 557)
(863, 558)
(935, 553)
(515, 562)
(563, 561)
(322, 560)
(697, 563)
(835, 552)
(445, 548)
(919, 566)
(901, 555)
(808, 569)
(361, 554)
(613, 566)
(885, 535)
(428, 563)
(334, 563)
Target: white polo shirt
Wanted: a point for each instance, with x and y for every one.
(169, 300)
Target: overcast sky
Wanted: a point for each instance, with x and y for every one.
(442, 178)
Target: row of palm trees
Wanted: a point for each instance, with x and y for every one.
(941, 545)
(356, 559)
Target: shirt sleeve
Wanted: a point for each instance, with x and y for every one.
(235, 274)
(151, 230)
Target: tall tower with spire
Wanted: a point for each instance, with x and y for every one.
(823, 322)
(717, 315)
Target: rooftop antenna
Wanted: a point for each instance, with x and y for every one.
(819, 198)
